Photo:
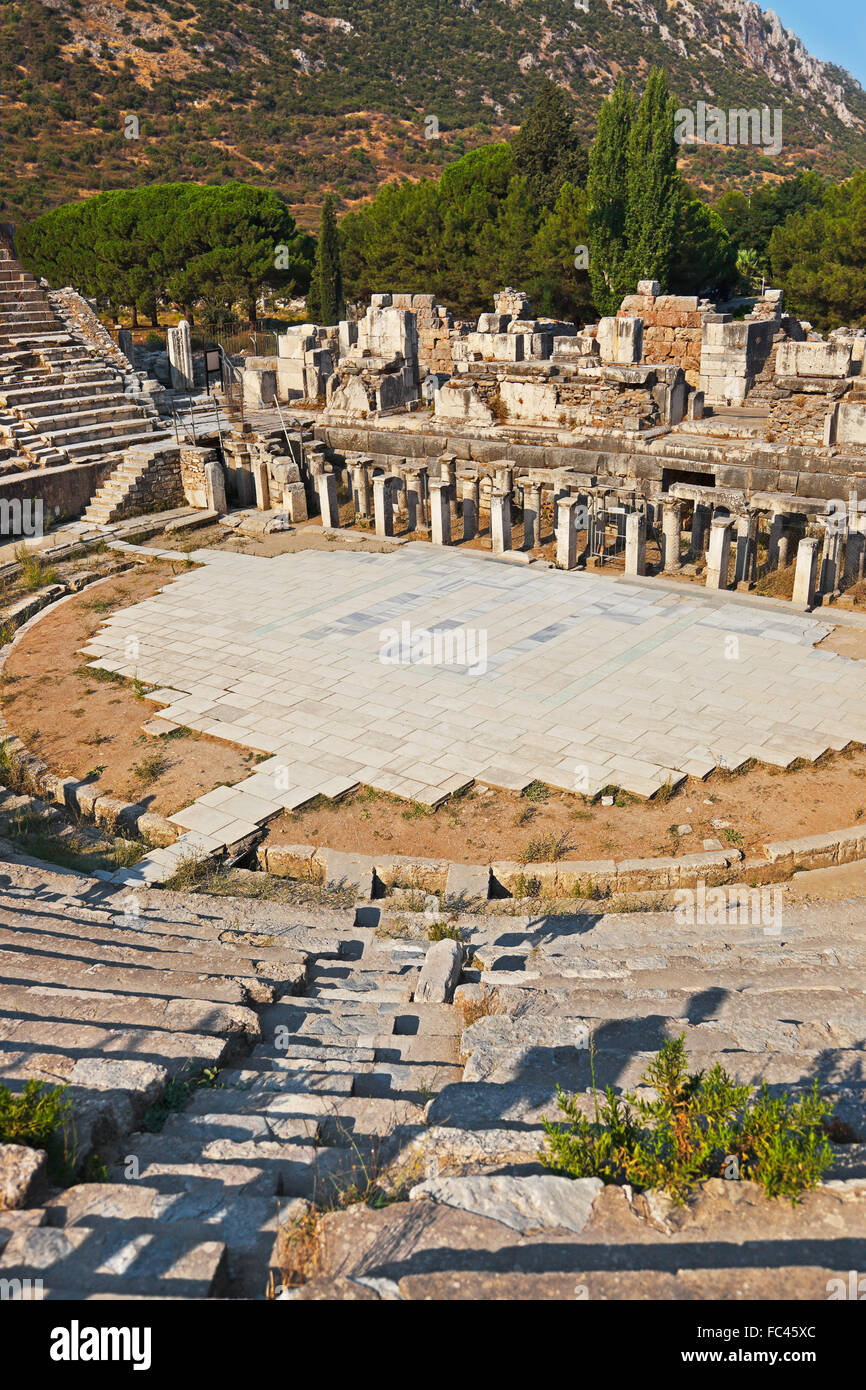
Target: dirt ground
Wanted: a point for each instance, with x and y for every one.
(760, 804)
(83, 725)
(218, 537)
(78, 723)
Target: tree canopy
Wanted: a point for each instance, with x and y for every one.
(819, 256)
(190, 245)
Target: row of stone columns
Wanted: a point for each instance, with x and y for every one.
(447, 498)
(823, 565)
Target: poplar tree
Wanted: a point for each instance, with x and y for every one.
(607, 195)
(654, 186)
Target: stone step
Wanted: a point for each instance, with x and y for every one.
(543, 1236)
(115, 444)
(357, 1118)
(85, 409)
(29, 1048)
(150, 983)
(303, 1081)
(99, 382)
(165, 1261)
(293, 1121)
(80, 436)
(132, 945)
(246, 1224)
(101, 1007)
(620, 981)
(623, 1070)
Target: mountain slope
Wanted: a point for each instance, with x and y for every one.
(342, 96)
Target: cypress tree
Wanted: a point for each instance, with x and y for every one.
(654, 186)
(325, 301)
(607, 195)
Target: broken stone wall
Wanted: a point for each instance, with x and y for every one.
(565, 395)
(672, 332)
(193, 462)
(435, 327)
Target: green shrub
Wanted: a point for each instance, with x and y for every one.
(38, 1118)
(700, 1125)
(526, 887)
(545, 849)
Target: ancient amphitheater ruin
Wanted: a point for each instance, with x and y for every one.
(399, 728)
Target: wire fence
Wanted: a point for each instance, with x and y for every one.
(253, 340)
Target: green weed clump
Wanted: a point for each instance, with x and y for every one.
(35, 574)
(699, 1125)
(177, 1095)
(38, 1118)
(440, 931)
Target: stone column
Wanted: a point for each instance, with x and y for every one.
(672, 525)
(469, 488)
(383, 505)
(124, 342)
(635, 543)
(400, 494)
(415, 478)
(806, 573)
(566, 535)
(295, 502)
(531, 515)
(448, 475)
(719, 553)
(777, 537)
(179, 347)
(215, 484)
(326, 484)
(440, 512)
(361, 489)
(500, 520)
(855, 554)
(746, 547)
(700, 527)
(263, 489)
(831, 557)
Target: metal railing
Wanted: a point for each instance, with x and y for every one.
(232, 384)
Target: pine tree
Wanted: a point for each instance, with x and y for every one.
(325, 302)
(547, 148)
(607, 194)
(654, 186)
(560, 286)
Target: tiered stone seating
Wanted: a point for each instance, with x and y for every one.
(59, 402)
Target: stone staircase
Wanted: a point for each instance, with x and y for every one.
(59, 401)
(331, 1076)
(127, 490)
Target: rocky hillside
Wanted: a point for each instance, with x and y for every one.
(106, 93)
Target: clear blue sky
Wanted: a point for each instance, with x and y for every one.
(834, 30)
